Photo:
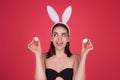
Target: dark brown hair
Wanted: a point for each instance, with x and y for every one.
(51, 51)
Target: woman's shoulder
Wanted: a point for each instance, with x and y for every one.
(76, 57)
(44, 55)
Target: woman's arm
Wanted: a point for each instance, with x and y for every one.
(35, 47)
(76, 64)
(39, 69)
(80, 74)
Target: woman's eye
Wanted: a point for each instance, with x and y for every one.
(55, 35)
(64, 35)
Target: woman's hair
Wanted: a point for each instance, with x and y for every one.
(51, 51)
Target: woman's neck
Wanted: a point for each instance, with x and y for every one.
(60, 53)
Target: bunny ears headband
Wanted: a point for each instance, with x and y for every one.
(55, 18)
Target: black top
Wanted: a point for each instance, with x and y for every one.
(66, 74)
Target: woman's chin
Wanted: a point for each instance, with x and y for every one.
(59, 48)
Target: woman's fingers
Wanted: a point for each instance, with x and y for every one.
(38, 42)
(31, 46)
(86, 47)
(35, 46)
(90, 45)
(83, 45)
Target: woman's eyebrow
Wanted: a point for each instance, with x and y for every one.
(55, 32)
(64, 33)
(60, 33)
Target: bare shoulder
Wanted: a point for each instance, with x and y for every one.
(44, 56)
(76, 58)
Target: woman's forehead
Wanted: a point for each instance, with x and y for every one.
(60, 29)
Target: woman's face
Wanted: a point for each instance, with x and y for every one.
(59, 37)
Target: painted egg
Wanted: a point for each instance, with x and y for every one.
(36, 38)
(85, 40)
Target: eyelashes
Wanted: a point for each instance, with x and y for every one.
(62, 35)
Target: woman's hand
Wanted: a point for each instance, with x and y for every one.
(86, 48)
(35, 46)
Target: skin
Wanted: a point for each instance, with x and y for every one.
(60, 61)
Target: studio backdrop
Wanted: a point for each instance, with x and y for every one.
(21, 20)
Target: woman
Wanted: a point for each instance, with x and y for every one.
(59, 63)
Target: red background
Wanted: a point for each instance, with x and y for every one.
(21, 20)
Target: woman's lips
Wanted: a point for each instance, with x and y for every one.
(59, 43)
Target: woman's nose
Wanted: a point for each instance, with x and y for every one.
(59, 37)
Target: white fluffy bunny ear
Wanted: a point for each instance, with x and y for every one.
(67, 14)
(52, 14)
